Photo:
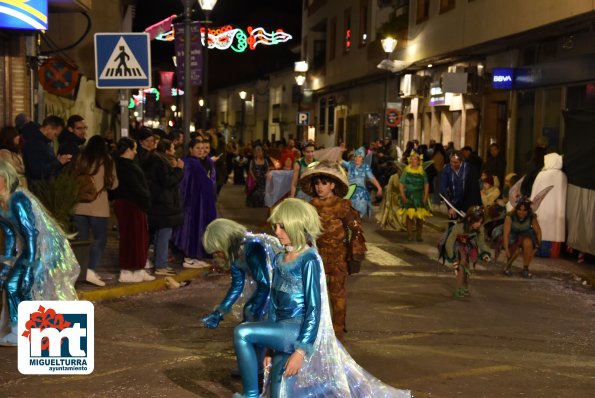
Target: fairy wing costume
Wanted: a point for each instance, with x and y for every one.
(46, 267)
(330, 371)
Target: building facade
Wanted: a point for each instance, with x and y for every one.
(52, 71)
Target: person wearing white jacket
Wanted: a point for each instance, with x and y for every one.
(551, 214)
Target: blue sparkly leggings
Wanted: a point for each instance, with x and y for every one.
(18, 288)
(278, 336)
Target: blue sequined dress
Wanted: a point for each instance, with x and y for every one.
(361, 197)
(300, 317)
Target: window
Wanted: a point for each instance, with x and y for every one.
(347, 31)
(319, 56)
(331, 115)
(322, 115)
(446, 5)
(332, 39)
(363, 23)
(422, 10)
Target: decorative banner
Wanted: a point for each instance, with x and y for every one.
(58, 76)
(195, 54)
(166, 79)
(24, 14)
(223, 38)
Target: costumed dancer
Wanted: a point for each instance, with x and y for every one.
(298, 169)
(415, 191)
(250, 257)
(388, 213)
(198, 194)
(45, 268)
(464, 245)
(357, 173)
(521, 232)
(551, 214)
(341, 245)
(305, 357)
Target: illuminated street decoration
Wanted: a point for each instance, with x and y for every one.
(24, 14)
(236, 39)
(140, 97)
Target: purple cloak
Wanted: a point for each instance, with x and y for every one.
(198, 195)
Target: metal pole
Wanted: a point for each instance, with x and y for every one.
(187, 72)
(205, 74)
(384, 121)
(242, 120)
(299, 108)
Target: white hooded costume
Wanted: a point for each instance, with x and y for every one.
(551, 214)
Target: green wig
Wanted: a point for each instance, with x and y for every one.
(223, 235)
(299, 219)
(8, 172)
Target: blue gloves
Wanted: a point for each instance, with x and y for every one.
(212, 320)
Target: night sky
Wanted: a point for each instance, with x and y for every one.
(229, 67)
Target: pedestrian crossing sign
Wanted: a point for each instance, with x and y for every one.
(122, 60)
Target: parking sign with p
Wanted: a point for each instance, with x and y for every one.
(303, 118)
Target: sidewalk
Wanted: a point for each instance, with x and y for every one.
(231, 204)
(555, 268)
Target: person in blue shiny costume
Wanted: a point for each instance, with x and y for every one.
(45, 268)
(250, 256)
(305, 357)
(294, 314)
(357, 173)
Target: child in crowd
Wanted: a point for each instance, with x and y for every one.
(342, 241)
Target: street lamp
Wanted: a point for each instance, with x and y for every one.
(173, 112)
(300, 68)
(388, 45)
(207, 6)
(243, 98)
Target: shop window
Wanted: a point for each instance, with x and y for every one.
(332, 39)
(525, 136)
(446, 5)
(363, 23)
(347, 31)
(422, 11)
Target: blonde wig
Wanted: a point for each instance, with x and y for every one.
(8, 172)
(299, 219)
(223, 235)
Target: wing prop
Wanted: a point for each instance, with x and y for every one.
(460, 213)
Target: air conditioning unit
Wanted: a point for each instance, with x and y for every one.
(411, 86)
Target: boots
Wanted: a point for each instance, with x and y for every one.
(11, 339)
(418, 229)
(409, 224)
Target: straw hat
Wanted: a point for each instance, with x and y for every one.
(327, 169)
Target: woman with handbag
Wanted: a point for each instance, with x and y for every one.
(93, 214)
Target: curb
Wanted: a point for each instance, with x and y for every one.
(131, 289)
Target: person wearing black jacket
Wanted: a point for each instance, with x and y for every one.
(164, 173)
(131, 202)
(73, 137)
(38, 155)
